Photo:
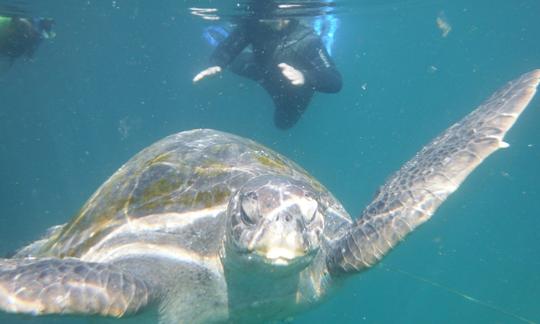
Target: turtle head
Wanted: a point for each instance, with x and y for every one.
(275, 222)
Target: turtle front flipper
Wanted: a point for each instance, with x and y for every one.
(412, 194)
(68, 286)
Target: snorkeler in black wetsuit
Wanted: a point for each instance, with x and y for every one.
(287, 58)
(21, 36)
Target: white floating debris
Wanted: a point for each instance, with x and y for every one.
(443, 24)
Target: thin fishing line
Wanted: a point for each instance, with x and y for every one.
(460, 294)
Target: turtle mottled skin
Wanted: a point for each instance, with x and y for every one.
(210, 227)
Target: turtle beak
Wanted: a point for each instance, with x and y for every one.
(281, 241)
(281, 252)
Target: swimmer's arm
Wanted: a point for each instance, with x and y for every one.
(321, 72)
(225, 53)
(229, 49)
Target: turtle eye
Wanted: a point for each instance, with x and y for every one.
(311, 217)
(249, 208)
(309, 209)
(246, 218)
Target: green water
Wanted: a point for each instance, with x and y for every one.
(118, 77)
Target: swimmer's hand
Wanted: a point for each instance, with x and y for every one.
(205, 73)
(295, 76)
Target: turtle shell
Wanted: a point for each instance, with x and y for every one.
(190, 171)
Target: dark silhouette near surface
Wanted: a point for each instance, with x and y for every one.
(21, 36)
(287, 58)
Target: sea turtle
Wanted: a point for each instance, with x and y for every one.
(211, 227)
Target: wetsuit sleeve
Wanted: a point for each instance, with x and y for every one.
(321, 73)
(229, 49)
